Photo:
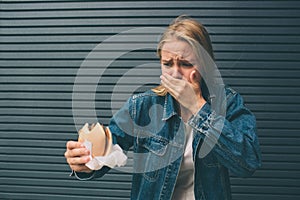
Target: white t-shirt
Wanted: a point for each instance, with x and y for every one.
(184, 188)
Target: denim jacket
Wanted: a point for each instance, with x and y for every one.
(150, 125)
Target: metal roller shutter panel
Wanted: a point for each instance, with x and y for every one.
(43, 44)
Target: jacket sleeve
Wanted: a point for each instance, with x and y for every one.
(122, 126)
(232, 139)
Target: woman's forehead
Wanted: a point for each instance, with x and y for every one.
(177, 50)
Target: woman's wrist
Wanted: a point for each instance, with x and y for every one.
(195, 109)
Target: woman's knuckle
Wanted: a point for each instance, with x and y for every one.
(71, 161)
(68, 144)
(69, 154)
(66, 154)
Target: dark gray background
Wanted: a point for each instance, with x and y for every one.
(43, 44)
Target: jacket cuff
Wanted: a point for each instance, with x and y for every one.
(200, 121)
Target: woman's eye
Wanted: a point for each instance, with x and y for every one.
(167, 64)
(187, 64)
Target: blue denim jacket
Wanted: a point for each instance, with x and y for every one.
(151, 126)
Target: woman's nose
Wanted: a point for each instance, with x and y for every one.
(176, 72)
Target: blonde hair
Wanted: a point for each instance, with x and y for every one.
(189, 30)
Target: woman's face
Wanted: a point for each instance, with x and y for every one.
(179, 60)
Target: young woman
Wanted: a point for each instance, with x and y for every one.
(168, 161)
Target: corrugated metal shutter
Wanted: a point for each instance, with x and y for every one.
(43, 44)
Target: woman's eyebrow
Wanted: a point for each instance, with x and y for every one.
(185, 61)
(166, 60)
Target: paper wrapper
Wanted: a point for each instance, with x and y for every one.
(115, 158)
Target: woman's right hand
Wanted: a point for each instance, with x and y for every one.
(77, 155)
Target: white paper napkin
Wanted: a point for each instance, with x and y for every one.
(115, 158)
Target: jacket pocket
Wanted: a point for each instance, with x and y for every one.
(152, 156)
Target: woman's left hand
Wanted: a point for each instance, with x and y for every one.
(188, 94)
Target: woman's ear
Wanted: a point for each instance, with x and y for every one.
(195, 76)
